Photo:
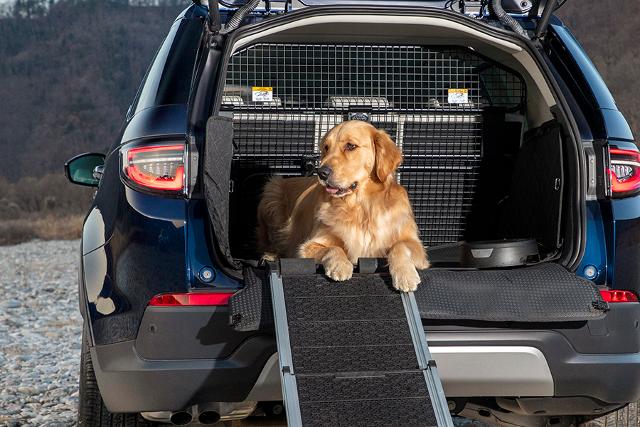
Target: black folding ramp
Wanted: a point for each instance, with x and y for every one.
(352, 353)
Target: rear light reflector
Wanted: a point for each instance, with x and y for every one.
(614, 295)
(158, 167)
(624, 172)
(191, 299)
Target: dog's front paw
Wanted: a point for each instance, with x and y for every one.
(405, 279)
(338, 268)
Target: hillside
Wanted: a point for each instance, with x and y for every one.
(66, 80)
(70, 68)
(67, 77)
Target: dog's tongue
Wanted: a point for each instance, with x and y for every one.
(332, 190)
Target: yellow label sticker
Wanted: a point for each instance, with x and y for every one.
(261, 93)
(458, 96)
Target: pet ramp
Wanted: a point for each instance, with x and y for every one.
(352, 353)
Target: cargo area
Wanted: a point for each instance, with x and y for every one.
(484, 157)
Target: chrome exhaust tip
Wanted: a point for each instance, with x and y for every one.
(208, 417)
(180, 418)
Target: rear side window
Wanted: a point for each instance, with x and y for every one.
(169, 78)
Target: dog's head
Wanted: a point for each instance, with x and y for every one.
(353, 153)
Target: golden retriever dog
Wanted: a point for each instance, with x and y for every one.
(354, 208)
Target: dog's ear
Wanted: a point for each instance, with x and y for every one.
(388, 155)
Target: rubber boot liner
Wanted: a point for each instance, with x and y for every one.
(542, 293)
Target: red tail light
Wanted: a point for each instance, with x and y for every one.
(624, 172)
(191, 299)
(158, 167)
(614, 295)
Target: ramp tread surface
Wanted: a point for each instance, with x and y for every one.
(353, 354)
(369, 413)
(356, 307)
(354, 332)
(382, 358)
(375, 386)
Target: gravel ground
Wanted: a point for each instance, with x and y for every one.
(40, 328)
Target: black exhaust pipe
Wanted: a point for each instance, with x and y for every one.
(180, 418)
(208, 417)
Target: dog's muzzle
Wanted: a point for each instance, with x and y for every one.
(324, 172)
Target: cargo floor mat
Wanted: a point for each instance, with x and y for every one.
(541, 293)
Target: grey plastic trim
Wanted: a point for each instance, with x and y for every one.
(426, 362)
(590, 155)
(493, 370)
(289, 385)
(268, 385)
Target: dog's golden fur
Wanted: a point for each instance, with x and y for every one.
(360, 211)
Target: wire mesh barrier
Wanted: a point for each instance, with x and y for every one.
(430, 100)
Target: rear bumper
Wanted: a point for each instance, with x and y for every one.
(129, 383)
(531, 363)
(498, 369)
(598, 360)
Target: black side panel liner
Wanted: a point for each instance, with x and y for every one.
(502, 136)
(250, 308)
(534, 206)
(347, 374)
(217, 167)
(542, 293)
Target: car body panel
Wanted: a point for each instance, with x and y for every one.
(136, 245)
(610, 123)
(595, 254)
(617, 218)
(199, 250)
(143, 257)
(166, 121)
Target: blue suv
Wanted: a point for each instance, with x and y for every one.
(522, 172)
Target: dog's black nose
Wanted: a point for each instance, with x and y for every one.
(324, 172)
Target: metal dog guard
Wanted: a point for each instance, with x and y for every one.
(438, 103)
(344, 352)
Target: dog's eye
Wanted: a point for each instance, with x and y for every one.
(326, 147)
(350, 146)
